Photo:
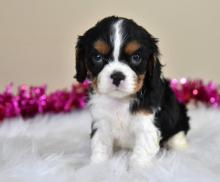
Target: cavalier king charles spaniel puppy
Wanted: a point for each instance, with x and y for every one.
(131, 103)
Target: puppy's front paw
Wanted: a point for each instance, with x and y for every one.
(136, 163)
(99, 157)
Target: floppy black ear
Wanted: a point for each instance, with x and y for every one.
(154, 68)
(153, 86)
(81, 70)
(153, 71)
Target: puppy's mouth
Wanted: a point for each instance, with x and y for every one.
(118, 91)
(116, 81)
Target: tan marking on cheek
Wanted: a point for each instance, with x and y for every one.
(144, 112)
(139, 82)
(95, 83)
(102, 47)
(132, 47)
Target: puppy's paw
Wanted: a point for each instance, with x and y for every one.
(138, 163)
(178, 142)
(99, 157)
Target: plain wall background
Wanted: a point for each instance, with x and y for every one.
(37, 37)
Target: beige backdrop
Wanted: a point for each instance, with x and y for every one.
(37, 37)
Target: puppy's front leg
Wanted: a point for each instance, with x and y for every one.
(146, 140)
(101, 142)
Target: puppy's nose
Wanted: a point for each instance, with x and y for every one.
(117, 77)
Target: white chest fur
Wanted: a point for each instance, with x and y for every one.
(114, 115)
(117, 126)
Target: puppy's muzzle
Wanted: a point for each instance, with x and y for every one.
(117, 77)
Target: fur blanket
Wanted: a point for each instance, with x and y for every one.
(56, 148)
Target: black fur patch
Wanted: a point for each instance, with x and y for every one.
(170, 117)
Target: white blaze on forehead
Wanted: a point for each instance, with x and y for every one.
(117, 39)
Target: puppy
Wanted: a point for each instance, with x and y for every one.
(131, 104)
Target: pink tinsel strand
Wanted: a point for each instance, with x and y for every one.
(195, 90)
(32, 100)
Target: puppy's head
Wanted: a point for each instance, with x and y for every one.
(118, 56)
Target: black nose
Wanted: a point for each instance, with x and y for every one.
(117, 77)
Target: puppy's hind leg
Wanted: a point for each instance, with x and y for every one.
(178, 142)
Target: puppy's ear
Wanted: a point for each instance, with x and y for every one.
(81, 70)
(154, 65)
(153, 84)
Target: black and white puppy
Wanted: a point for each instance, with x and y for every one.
(131, 103)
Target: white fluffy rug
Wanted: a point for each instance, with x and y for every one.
(56, 148)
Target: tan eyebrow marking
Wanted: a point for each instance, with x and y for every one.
(131, 47)
(102, 47)
(144, 112)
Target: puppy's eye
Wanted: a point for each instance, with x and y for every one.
(98, 58)
(135, 59)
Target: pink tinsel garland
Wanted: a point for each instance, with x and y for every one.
(32, 100)
(195, 90)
